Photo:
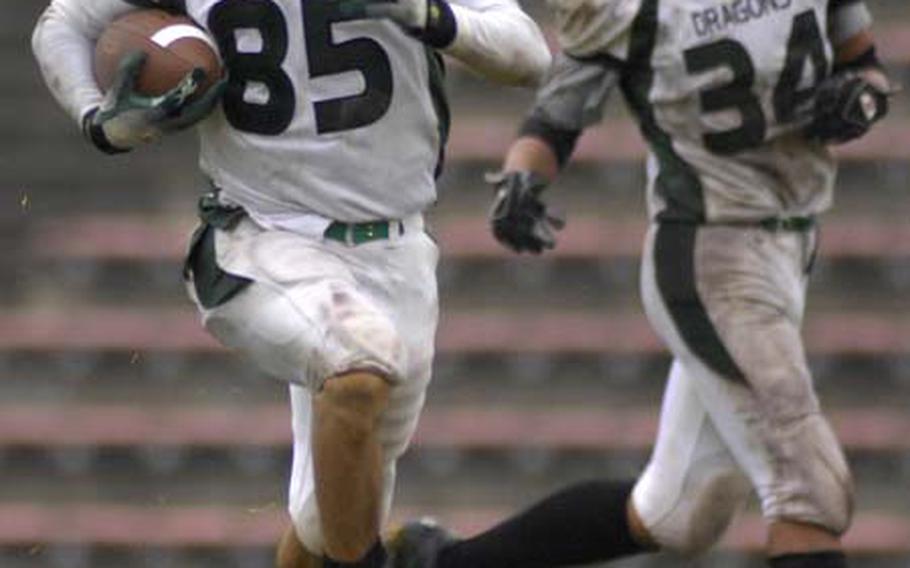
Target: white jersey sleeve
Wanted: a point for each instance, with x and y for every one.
(497, 40)
(592, 28)
(847, 18)
(63, 43)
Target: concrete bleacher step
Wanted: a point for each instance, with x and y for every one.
(165, 178)
(137, 330)
(464, 428)
(107, 238)
(93, 524)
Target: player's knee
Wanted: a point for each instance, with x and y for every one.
(839, 511)
(822, 495)
(363, 337)
(695, 520)
(359, 397)
(833, 497)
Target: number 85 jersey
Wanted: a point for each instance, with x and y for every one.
(722, 90)
(324, 115)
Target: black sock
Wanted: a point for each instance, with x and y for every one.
(375, 558)
(582, 524)
(826, 559)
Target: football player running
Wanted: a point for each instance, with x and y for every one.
(739, 102)
(312, 257)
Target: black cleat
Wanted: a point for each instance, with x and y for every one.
(416, 544)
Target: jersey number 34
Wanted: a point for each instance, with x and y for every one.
(324, 57)
(805, 44)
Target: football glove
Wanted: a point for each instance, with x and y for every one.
(127, 119)
(846, 105)
(430, 21)
(519, 219)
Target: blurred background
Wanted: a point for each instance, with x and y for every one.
(127, 438)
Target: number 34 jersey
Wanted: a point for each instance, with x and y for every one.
(722, 90)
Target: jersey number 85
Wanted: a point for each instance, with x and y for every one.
(324, 57)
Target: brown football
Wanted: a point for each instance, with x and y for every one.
(175, 46)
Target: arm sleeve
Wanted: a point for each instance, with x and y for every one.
(572, 99)
(497, 40)
(846, 19)
(63, 43)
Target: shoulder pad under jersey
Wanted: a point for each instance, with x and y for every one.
(588, 28)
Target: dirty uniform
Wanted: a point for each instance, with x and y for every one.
(721, 91)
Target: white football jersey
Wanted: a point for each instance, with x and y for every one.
(325, 115)
(722, 90)
(322, 115)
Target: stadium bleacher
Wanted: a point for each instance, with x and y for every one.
(129, 438)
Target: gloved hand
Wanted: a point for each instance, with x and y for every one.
(430, 21)
(519, 219)
(846, 105)
(127, 119)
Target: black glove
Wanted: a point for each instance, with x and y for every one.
(519, 219)
(846, 106)
(127, 119)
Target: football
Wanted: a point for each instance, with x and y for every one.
(174, 45)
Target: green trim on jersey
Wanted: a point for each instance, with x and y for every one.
(437, 76)
(677, 182)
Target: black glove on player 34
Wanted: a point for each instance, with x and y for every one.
(519, 219)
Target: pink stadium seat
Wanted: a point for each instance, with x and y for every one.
(218, 526)
(461, 332)
(459, 427)
(137, 238)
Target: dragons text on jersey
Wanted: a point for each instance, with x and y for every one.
(715, 19)
(722, 91)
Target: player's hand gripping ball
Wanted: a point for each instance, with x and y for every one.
(161, 73)
(847, 104)
(519, 219)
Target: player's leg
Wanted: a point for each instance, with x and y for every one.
(306, 506)
(348, 461)
(683, 502)
(337, 495)
(291, 553)
(729, 303)
(583, 523)
(307, 319)
(692, 486)
(399, 281)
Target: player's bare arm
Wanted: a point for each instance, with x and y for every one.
(571, 100)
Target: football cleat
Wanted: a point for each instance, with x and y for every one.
(416, 544)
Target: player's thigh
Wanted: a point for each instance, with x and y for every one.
(399, 279)
(692, 485)
(302, 316)
(404, 286)
(728, 304)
